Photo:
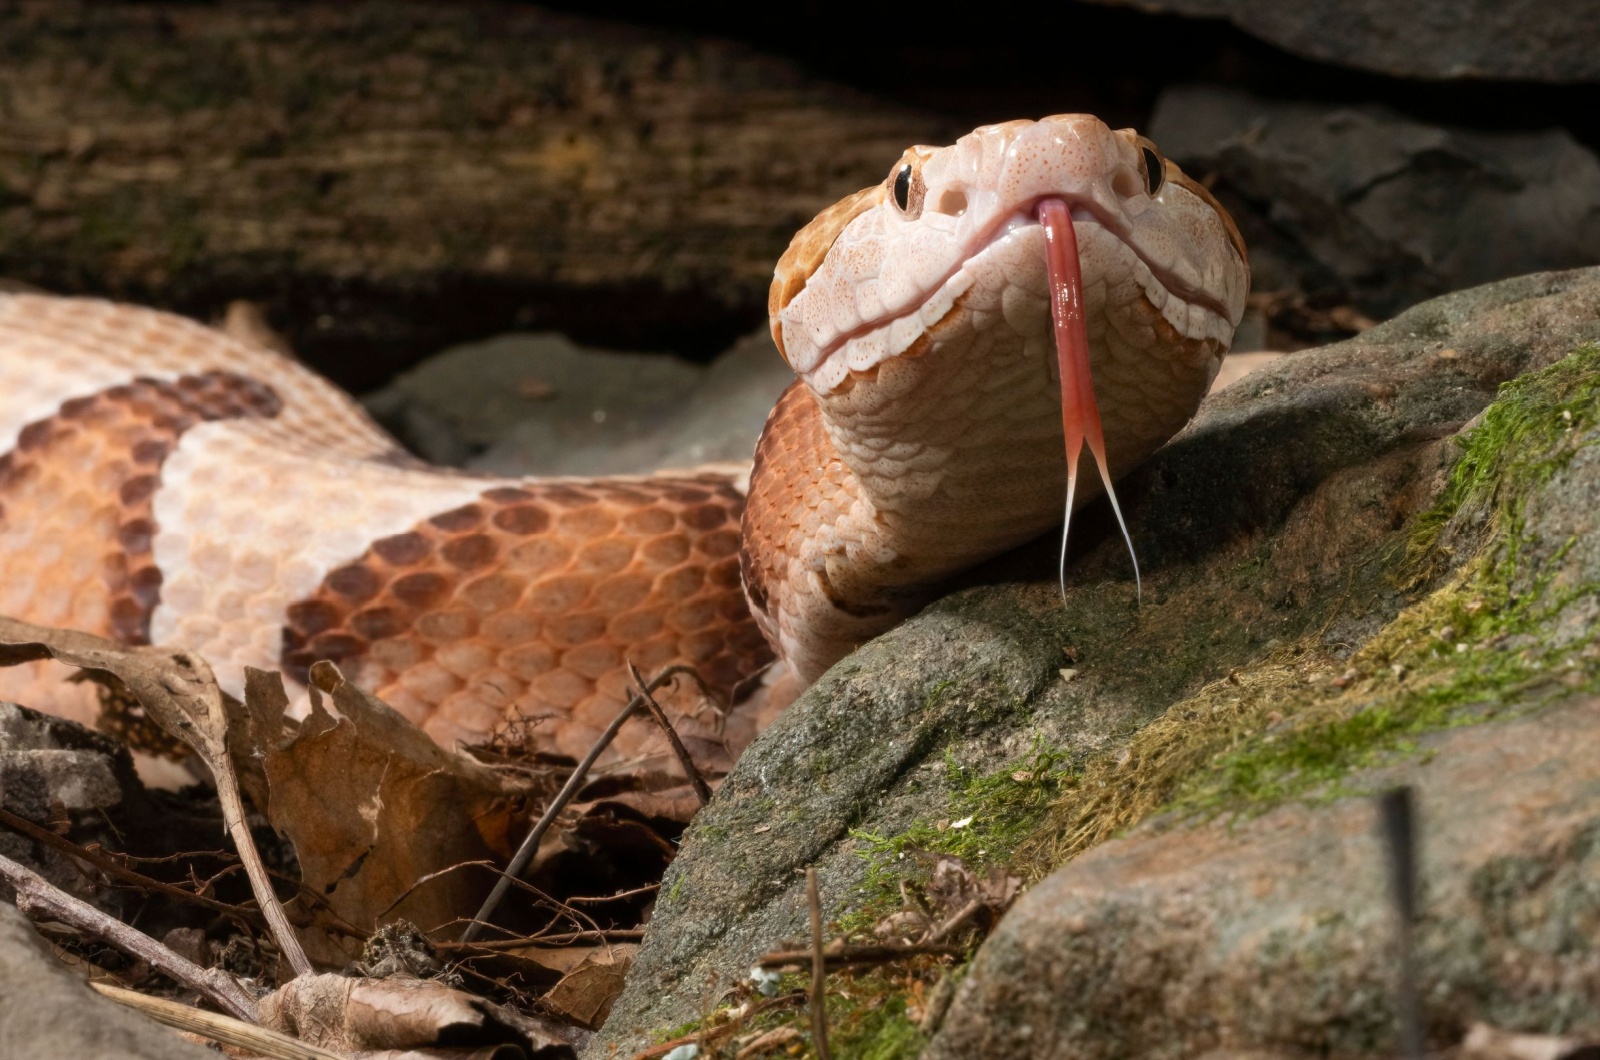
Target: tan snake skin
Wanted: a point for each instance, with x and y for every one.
(161, 482)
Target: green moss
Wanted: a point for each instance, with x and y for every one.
(1294, 725)
(869, 1017)
(985, 817)
(1523, 439)
(872, 1024)
(1470, 650)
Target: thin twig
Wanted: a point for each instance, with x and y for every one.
(39, 899)
(180, 693)
(258, 1041)
(649, 888)
(530, 845)
(113, 868)
(701, 788)
(836, 956)
(715, 1034)
(964, 914)
(1397, 816)
(429, 877)
(549, 941)
(819, 969)
(233, 816)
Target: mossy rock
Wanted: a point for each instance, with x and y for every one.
(1283, 534)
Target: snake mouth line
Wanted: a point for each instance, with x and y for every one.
(1020, 219)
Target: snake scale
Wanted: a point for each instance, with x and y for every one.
(161, 482)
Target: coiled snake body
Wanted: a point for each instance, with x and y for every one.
(163, 483)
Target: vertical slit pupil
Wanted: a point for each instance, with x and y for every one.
(1155, 170)
(902, 187)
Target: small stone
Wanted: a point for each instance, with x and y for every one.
(1068, 673)
(766, 981)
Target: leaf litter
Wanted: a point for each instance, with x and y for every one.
(366, 851)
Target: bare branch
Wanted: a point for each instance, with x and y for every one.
(819, 969)
(715, 1034)
(111, 867)
(836, 956)
(530, 845)
(649, 888)
(701, 788)
(550, 941)
(258, 1041)
(178, 690)
(39, 899)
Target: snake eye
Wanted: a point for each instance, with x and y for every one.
(1155, 167)
(902, 187)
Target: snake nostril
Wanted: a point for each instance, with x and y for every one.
(1127, 184)
(952, 201)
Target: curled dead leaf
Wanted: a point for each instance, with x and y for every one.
(584, 995)
(363, 1015)
(378, 813)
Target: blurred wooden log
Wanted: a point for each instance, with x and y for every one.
(385, 177)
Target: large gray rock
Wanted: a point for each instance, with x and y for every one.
(1362, 204)
(1524, 40)
(542, 405)
(46, 1011)
(51, 770)
(1274, 518)
(1278, 934)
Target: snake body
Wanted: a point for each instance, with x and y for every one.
(161, 482)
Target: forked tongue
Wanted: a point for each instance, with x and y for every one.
(1080, 416)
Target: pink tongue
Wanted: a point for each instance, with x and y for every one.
(1080, 416)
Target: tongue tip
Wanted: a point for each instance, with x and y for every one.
(1080, 415)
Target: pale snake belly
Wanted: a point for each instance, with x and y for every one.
(163, 483)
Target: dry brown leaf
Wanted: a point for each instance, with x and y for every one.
(584, 995)
(373, 805)
(361, 1015)
(954, 887)
(557, 961)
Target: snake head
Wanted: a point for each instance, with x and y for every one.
(877, 272)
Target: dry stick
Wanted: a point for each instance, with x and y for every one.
(530, 845)
(715, 1034)
(1397, 816)
(701, 788)
(179, 691)
(259, 1041)
(39, 899)
(819, 969)
(836, 957)
(549, 941)
(111, 867)
(964, 914)
(233, 817)
(427, 878)
(649, 888)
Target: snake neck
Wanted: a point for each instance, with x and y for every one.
(868, 498)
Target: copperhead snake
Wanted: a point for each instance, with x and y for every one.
(163, 483)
